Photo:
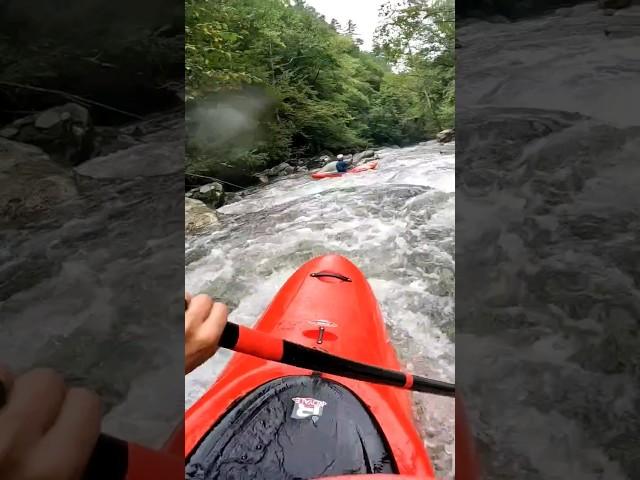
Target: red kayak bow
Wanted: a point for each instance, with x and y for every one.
(338, 389)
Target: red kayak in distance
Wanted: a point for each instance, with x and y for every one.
(359, 169)
(266, 420)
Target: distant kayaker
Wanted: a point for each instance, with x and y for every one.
(338, 165)
(341, 165)
(49, 430)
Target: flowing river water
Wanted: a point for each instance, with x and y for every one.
(396, 224)
(547, 230)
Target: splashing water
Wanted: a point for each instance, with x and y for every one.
(396, 224)
(547, 191)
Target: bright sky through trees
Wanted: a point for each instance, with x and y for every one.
(364, 13)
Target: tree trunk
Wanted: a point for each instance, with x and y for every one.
(273, 70)
(434, 115)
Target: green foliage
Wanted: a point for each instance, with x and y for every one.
(275, 81)
(419, 37)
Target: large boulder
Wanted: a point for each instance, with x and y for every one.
(446, 136)
(198, 218)
(64, 132)
(277, 171)
(317, 162)
(281, 170)
(30, 182)
(359, 158)
(211, 194)
(159, 128)
(145, 161)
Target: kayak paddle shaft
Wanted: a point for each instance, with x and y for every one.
(262, 345)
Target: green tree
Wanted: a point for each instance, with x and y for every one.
(350, 29)
(418, 36)
(268, 80)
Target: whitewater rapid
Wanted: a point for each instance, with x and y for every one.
(547, 226)
(396, 224)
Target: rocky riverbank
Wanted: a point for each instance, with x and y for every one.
(203, 200)
(89, 95)
(53, 157)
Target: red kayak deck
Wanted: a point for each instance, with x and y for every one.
(365, 167)
(328, 292)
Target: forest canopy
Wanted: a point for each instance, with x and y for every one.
(268, 80)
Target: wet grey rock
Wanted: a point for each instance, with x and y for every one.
(64, 132)
(359, 158)
(211, 194)
(48, 119)
(109, 140)
(30, 183)
(281, 170)
(150, 165)
(198, 218)
(278, 171)
(155, 129)
(446, 136)
(9, 132)
(21, 122)
(317, 162)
